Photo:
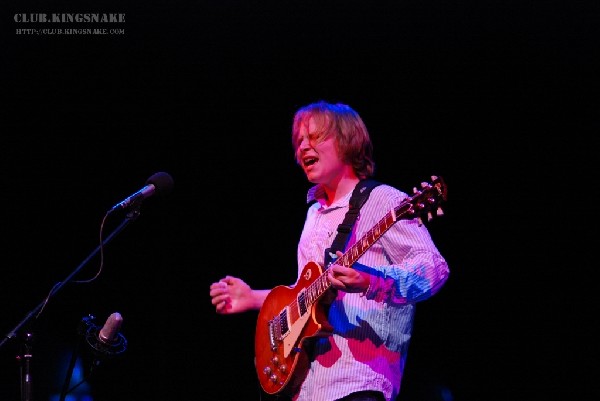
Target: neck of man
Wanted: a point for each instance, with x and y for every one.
(340, 186)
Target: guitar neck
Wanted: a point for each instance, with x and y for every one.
(410, 207)
(353, 253)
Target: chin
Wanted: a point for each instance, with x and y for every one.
(312, 178)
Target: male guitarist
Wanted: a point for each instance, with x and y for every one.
(351, 343)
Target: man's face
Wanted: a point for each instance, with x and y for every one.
(318, 158)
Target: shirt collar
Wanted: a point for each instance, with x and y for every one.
(317, 194)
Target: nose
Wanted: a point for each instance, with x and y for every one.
(305, 143)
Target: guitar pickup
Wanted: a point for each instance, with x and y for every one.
(279, 328)
(302, 305)
(283, 323)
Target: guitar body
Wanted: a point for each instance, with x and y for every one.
(284, 329)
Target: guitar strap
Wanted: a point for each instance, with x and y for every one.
(357, 199)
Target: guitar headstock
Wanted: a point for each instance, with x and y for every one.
(428, 199)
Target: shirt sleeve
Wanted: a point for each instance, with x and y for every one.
(406, 266)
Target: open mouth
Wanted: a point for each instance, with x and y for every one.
(309, 161)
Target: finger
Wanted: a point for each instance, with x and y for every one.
(224, 304)
(220, 289)
(333, 280)
(221, 307)
(217, 286)
(220, 299)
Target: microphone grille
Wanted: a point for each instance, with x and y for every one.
(110, 330)
(163, 182)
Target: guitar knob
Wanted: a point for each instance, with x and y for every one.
(273, 378)
(283, 368)
(267, 371)
(275, 360)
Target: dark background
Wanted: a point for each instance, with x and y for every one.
(500, 98)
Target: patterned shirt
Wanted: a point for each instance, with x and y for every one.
(371, 332)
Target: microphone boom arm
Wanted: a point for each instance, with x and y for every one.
(35, 311)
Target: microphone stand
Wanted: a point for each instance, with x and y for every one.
(81, 331)
(26, 354)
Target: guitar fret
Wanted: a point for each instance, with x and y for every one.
(307, 299)
(294, 311)
(380, 229)
(314, 291)
(324, 284)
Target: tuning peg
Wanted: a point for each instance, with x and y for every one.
(420, 221)
(415, 190)
(424, 184)
(439, 211)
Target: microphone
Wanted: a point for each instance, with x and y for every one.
(107, 341)
(160, 183)
(109, 332)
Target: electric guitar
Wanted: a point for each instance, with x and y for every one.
(293, 316)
